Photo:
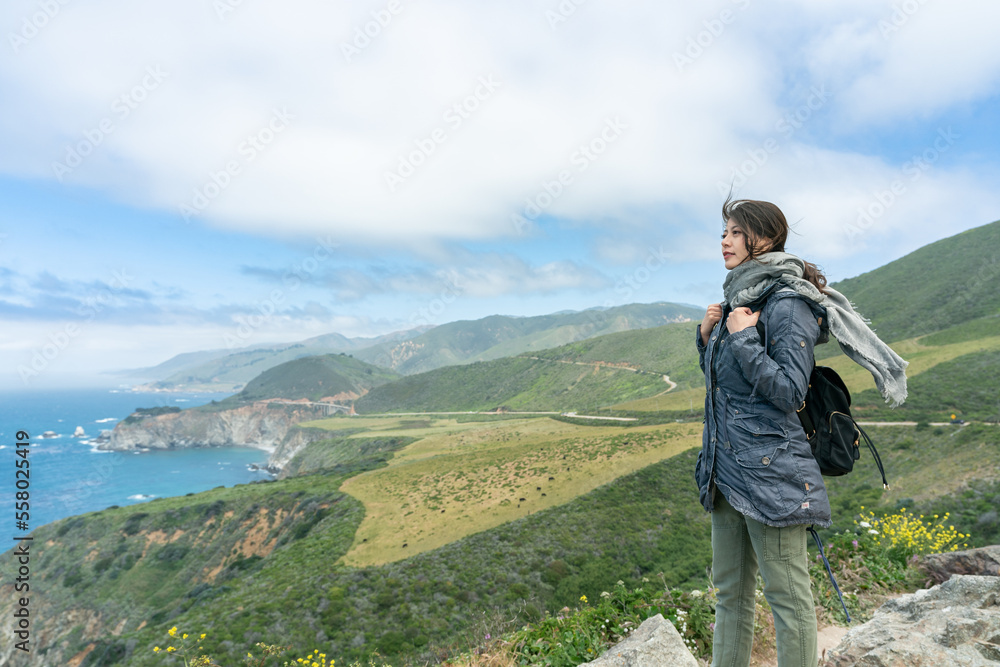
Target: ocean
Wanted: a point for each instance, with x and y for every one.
(69, 475)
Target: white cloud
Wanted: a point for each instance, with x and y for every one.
(906, 59)
(683, 130)
(351, 122)
(479, 275)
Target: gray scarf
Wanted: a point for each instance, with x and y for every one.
(749, 280)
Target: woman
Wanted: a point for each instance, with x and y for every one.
(755, 472)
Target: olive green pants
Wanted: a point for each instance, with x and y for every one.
(740, 546)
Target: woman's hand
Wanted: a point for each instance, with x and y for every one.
(712, 315)
(741, 318)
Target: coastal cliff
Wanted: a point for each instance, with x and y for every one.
(266, 425)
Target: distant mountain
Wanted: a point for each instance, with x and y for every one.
(415, 350)
(500, 336)
(942, 284)
(225, 370)
(587, 374)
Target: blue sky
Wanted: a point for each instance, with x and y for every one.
(172, 173)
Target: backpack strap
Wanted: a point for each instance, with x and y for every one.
(807, 424)
(871, 448)
(826, 563)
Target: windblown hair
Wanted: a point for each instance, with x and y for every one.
(762, 221)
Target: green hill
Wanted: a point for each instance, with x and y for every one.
(502, 336)
(259, 562)
(942, 284)
(583, 375)
(311, 378)
(965, 386)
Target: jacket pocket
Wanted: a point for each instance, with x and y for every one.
(772, 477)
(749, 425)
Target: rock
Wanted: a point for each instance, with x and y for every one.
(984, 562)
(79, 432)
(954, 623)
(655, 643)
(263, 425)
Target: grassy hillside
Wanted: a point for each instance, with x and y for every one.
(965, 386)
(331, 455)
(152, 563)
(948, 282)
(316, 377)
(949, 372)
(260, 562)
(313, 378)
(927, 468)
(579, 376)
(297, 595)
(502, 336)
(453, 484)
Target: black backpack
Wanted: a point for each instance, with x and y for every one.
(825, 415)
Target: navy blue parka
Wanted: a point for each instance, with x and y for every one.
(754, 450)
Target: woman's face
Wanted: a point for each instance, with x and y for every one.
(734, 245)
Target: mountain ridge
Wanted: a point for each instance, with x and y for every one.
(414, 350)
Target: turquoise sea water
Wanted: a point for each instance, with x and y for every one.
(70, 476)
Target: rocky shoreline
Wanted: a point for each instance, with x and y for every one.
(265, 425)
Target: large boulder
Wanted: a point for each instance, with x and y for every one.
(655, 643)
(954, 623)
(984, 561)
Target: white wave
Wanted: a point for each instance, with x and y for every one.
(106, 420)
(141, 496)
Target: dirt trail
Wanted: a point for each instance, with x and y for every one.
(604, 364)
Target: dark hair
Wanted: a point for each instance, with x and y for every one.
(763, 221)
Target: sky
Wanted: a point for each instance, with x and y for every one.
(214, 174)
